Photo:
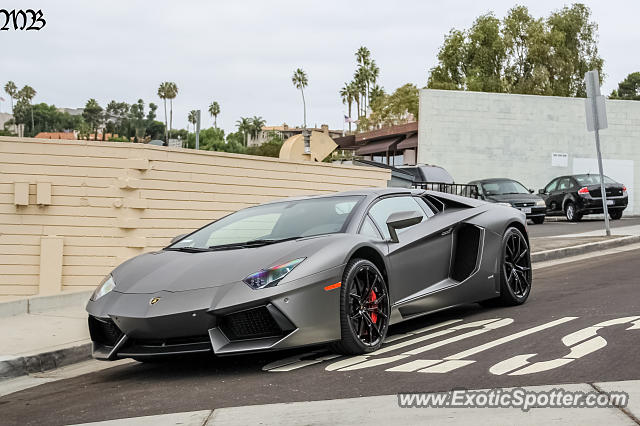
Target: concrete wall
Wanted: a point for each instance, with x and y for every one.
(482, 135)
(70, 211)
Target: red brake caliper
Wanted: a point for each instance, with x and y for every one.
(372, 299)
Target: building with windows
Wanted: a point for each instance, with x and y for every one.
(393, 146)
(285, 132)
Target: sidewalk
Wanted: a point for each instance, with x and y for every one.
(385, 410)
(42, 333)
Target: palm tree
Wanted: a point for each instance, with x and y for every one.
(163, 91)
(363, 55)
(28, 93)
(244, 127)
(300, 81)
(193, 119)
(214, 110)
(172, 93)
(12, 90)
(256, 126)
(347, 94)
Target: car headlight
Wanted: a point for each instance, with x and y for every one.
(505, 204)
(272, 276)
(105, 287)
(540, 203)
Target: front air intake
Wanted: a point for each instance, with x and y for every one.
(254, 323)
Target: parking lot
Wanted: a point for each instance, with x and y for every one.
(560, 226)
(580, 325)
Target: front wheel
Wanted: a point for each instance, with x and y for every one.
(615, 214)
(515, 270)
(364, 309)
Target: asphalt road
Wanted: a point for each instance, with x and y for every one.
(560, 226)
(565, 299)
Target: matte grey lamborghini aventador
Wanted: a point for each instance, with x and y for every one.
(336, 269)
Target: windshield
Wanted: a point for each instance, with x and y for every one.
(502, 187)
(585, 180)
(275, 222)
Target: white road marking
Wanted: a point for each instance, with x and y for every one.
(374, 362)
(294, 362)
(581, 343)
(414, 365)
(506, 339)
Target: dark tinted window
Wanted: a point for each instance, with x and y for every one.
(369, 229)
(552, 186)
(564, 184)
(585, 180)
(381, 211)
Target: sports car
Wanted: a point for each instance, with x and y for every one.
(332, 269)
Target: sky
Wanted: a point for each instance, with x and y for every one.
(242, 53)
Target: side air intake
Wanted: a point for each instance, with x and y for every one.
(467, 249)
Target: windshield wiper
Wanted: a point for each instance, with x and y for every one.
(251, 243)
(187, 249)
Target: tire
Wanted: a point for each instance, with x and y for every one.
(364, 309)
(571, 214)
(615, 214)
(538, 220)
(515, 269)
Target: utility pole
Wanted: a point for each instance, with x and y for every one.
(596, 120)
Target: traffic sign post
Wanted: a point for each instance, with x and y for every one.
(596, 120)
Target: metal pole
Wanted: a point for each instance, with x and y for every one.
(602, 188)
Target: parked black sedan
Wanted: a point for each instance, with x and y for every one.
(576, 195)
(512, 192)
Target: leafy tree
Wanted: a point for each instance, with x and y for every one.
(214, 110)
(300, 81)
(388, 110)
(117, 118)
(137, 118)
(271, 148)
(236, 138)
(348, 95)
(47, 118)
(12, 90)
(93, 116)
(27, 93)
(521, 54)
(629, 88)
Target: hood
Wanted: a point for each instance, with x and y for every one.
(168, 270)
(513, 198)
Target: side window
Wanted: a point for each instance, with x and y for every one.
(564, 184)
(381, 211)
(369, 229)
(552, 186)
(427, 209)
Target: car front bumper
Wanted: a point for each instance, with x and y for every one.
(227, 319)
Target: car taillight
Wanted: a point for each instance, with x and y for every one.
(583, 191)
(624, 190)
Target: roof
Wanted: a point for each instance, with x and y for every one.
(378, 146)
(56, 135)
(407, 131)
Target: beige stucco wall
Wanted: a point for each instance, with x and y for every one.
(110, 201)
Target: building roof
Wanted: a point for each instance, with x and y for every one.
(56, 135)
(380, 140)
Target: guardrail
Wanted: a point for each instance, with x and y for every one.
(461, 189)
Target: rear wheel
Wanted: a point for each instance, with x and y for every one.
(515, 270)
(571, 213)
(615, 214)
(364, 308)
(538, 220)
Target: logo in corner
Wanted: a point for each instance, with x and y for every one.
(154, 300)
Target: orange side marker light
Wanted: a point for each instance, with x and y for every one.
(332, 286)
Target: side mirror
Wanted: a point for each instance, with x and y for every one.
(400, 220)
(531, 191)
(177, 238)
(541, 192)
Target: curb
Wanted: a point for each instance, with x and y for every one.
(560, 253)
(40, 304)
(37, 363)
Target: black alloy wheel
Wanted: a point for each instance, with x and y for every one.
(516, 273)
(364, 309)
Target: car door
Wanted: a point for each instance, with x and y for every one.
(422, 256)
(557, 196)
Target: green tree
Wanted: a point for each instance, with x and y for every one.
(168, 90)
(257, 123)
(93, 116)
(214, 110)
(193, 119)
(244, 127)
(629, 88)
(12, 90)
(389, 110)
(137, 119)
(348, 95)
(271, 148)
(300, 81)
(27, 93)
(521, 54)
